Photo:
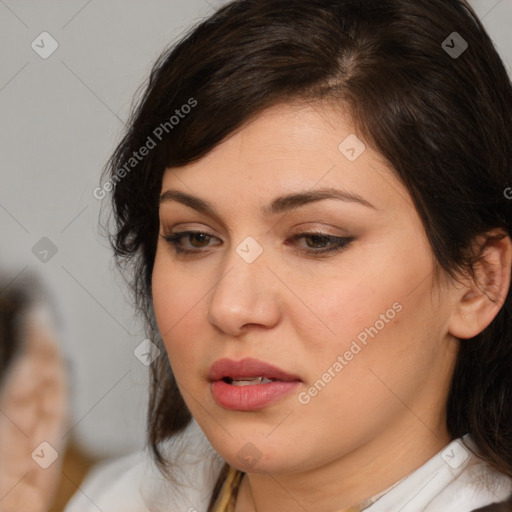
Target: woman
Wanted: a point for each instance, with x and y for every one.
(310, 198)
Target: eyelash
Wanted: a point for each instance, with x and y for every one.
(340, 243)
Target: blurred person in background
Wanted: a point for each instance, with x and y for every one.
(33, 399)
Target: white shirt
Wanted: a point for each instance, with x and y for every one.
(454, 480)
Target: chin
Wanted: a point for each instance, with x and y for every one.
(255, 454)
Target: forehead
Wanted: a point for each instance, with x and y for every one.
(287, 148)
(277, 134)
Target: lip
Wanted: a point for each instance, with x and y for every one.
(254, 396)
(247, 367)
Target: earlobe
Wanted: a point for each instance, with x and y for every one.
(483, 295)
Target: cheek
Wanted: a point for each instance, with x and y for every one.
(378, 312)
(175, 293)
(179, 305)
(339, 305)
(385, 339)
(371, 367)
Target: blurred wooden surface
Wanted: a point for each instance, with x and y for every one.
(74, 468)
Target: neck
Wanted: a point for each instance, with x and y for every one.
(348, 481)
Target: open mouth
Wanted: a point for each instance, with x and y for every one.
(249, 384)
(247, 381)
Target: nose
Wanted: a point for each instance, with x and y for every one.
(244, 296)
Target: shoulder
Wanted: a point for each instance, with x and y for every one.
(112, 486)
(478, 487)
(133, 483)
(456, 479)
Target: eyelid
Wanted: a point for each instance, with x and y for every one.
(322, 229)
(335, 243)
(171, 220)
(188, 226)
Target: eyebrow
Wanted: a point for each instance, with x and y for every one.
(279, 205)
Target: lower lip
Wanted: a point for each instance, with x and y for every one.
(251, 397)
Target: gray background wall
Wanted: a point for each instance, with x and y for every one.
(60, 117)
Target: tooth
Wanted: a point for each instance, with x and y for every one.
(248, 381)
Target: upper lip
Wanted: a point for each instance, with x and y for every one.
(248, 367)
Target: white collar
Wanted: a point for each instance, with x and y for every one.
(453, 480)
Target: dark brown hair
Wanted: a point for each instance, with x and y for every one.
(12, 302)
(442, 120)
(17, 296)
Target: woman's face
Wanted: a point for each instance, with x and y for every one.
(312, 259)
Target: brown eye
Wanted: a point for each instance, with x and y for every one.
(320, 243)
(197, 239)
(317, 241)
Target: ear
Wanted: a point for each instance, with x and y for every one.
(482, 296)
